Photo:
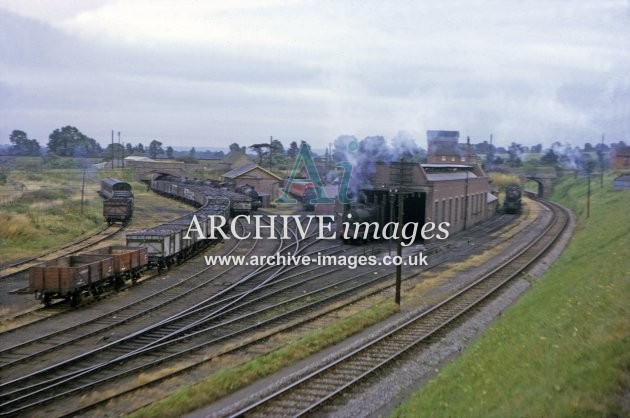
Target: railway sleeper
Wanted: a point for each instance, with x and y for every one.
(318, 389)
(342, 371)
(294, 402)
(408, 338)
(271, 411)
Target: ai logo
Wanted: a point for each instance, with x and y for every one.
(304, 156)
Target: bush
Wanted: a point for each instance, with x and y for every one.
(45, 194)
(501, 180)
(16, 225)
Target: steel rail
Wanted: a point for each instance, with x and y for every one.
(359, 363)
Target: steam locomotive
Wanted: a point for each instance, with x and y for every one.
(512, 203)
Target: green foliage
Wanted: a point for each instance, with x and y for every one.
(45, 194)
(188, 159)
(564, 349)
(16, 226)
(260, 151)
(118, 152)
(501, 180)
(550, 158)
(69, 141)
(52, 161)
(125, 174)
(155, 148)
(293, 149)
(22, 145)
(48, 212)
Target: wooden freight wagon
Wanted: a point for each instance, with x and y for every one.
(118, 209)
(127, 262)
(163, 244)
(70, 277)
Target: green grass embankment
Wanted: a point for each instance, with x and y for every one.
(564, 348)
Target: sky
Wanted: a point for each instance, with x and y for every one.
(209, 73)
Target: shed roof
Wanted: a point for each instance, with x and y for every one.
(446, 166)
(138, 158)
(456, 175)
(246, 168)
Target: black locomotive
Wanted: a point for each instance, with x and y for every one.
(248, 190)
(512, 203)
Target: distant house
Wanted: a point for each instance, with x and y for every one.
(232, 156)
(444, 148)
(620, 158)
(241, 161)
(264, 181)
(622, 182)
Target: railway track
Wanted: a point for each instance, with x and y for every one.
(14, 269)
(160, 347)
(130, 344)
(311, 393)
(52, 341)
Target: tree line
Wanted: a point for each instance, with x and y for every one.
(68, 141)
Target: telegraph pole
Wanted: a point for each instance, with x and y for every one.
(466, 201)
(82, 190)
(270, 149)
(121, 153)
(401, 213)
(600, 154)
(588, 196)
(391, 217)
(400, 178)
(113, 156)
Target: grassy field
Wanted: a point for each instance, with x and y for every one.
(48, 211)
(564, 349)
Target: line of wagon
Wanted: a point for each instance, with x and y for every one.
(160, 247)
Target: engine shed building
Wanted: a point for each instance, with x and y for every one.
(459, 194)
(264, 181)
